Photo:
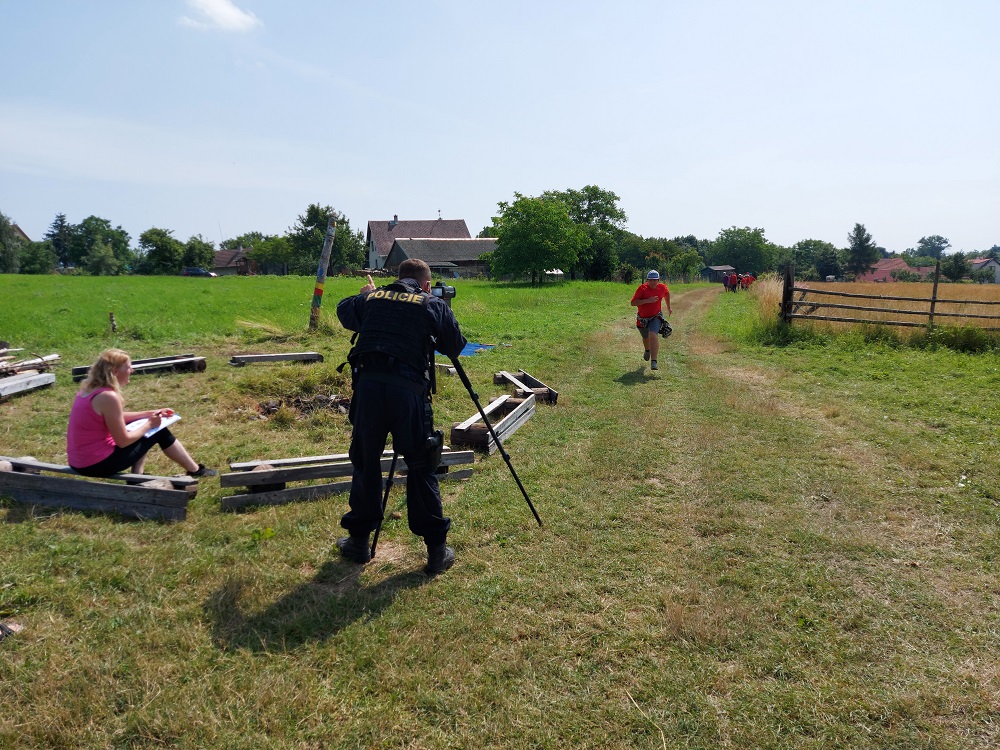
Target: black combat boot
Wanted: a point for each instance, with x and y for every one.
(355, 548)
(440, 557)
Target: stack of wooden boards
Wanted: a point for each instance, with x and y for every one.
(506, 413)
(172, 363)
(26, 374)
(135, 495)
(265, 481)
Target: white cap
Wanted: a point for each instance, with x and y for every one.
(653, 275)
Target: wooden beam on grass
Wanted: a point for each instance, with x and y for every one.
(238, 360)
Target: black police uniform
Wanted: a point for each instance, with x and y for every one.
(397, 325)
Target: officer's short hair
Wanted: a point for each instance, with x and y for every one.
(414, 268)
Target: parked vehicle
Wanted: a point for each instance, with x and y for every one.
(194, 271)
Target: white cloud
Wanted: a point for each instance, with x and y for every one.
(220, 14)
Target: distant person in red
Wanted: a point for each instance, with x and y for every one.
(648, 298)
(733, 281)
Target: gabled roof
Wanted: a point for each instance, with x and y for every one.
(978, 263)
(385, 232)
(882, 271)
(721, 268)
(229, 258)
(20, 233)
(435, 251)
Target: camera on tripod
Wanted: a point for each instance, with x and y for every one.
(444, 291)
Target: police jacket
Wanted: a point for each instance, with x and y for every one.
(400, 321)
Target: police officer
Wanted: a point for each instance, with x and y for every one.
(399, 326)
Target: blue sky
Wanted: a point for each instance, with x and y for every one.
(218, 117)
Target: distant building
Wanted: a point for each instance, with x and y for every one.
(882, 271)
(990, 263)
(382, 234)
(232, 263)
(715, 273)
(449, 257)
(20, 233)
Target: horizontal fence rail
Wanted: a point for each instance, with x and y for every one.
(801, 308)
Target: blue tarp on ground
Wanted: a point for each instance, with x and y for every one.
(471, 348)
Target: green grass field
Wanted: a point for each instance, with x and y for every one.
(786, 547)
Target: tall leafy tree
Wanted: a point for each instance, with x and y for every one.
(307, 235)
(101, 261)
(861, 253)
(199, 253)
(10, 246)
(535, 235)
(743, 248)
(933, 246)
(60, 234)
(596, 210)
(163, 253)
(815, 258)
(37, 257)
(94, 229)
(955, 267)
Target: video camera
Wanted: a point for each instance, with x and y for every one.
(444, 291)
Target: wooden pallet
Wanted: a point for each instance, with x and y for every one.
(158, 497)
(238, 360)
(25, 381)
(524, 384)
(174, 363)
(266, 481)
(512, 412)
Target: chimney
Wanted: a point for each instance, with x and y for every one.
(395, 221)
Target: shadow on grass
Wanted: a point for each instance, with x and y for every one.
(636, 376)
(312, 612)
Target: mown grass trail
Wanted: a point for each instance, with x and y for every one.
(750, 548)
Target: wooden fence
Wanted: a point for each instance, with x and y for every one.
(804, 306)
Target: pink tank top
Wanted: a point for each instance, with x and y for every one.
(87, 438)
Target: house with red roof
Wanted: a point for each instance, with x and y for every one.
(882, 271)
(382, 234)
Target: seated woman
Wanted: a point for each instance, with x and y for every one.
(99, 444)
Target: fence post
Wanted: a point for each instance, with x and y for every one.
(786, 293)
(937, 275)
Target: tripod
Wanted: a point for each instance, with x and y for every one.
(503, 452)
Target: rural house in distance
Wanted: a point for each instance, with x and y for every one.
(448, 257)
(382, 234)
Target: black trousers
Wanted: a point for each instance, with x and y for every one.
(124, 458)
(380, 409)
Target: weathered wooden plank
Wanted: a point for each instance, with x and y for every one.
(448, 456)
(493, 406)
(499, 378)
(550, 396)
(80, 494)
(475, 434)
(238, 360)
(325, 471)
(312, 492)
(17, 384)
(158, 364)
(33, 466)
(82, 370)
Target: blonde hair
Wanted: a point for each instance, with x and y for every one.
(101, 373)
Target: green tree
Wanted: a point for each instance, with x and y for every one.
(37, 257)
(861, 253)
(199, 253)
(535, 235)
(804, 254)
(246, 241)
(933, 246)
(272, 253)
(955, 267)
(10, 246)
(596, 210)
(95, 229)
(307, 235)
(745, 249)
(982, 276)
(685, 264)
(163, 254)
(101, 261)
(60, 234)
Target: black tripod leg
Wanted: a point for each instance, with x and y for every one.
(385, 500)
(475, 399)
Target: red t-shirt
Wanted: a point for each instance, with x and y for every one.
(645, 292)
